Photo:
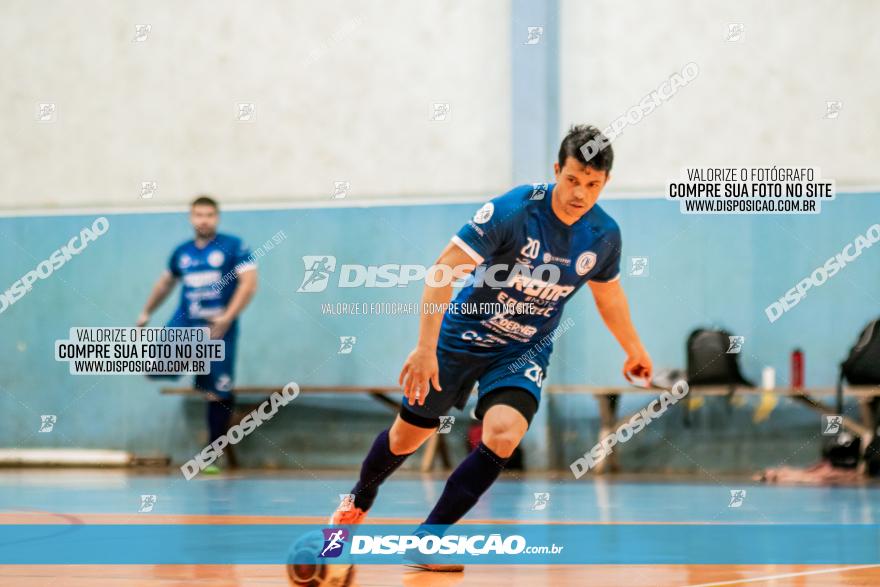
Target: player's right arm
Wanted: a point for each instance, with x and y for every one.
(421, 365)
(490, 230)
(160, 291)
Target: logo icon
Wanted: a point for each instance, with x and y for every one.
(440, 111)
(541, 501)
(340, 189)
(318, 270)
(735, 32)
(346, 502)
(485, 213)
(832, 109)
(736, 344)
(224, 383)
(149, 189)
(216, 258)
(346, 344)
(535, 33)
(147, 503)
(539, 190)
(47, 112)
(737, 497)
(638, 266)
(47, 422)
(585, 262)
(831, 424)
(334, 541)
(141, 32)
(446, 423)
(247, 112)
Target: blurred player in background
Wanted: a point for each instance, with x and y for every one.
(219, 278)
(558, 224)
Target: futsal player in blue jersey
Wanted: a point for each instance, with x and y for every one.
(517, 239)
(219, 278)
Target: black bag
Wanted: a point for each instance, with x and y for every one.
(709, 363)
(861, 367)
(843, 450)
(872, 457)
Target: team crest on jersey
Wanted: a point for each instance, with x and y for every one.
(216, 258)
(485, 213)
(585, 262)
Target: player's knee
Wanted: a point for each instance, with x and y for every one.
(404, 439)
(501, 442)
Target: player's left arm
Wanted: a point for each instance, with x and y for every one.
(244, 291)
(614, 309)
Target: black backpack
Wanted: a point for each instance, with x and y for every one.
(861, 367)
(709, 363)
(872, 457)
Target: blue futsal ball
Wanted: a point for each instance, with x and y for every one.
(306, 568)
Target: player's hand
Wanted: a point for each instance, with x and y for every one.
(419, 369)
(143, 319)
(219, 325)
(638, 367)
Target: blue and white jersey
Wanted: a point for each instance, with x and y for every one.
(521, 229)
(209, 275)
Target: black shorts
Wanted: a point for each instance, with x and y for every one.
(519, 399)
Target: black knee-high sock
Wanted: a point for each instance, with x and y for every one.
(377, 467)
(219, 414)
(476, 473)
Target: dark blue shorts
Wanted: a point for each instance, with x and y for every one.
(459, 372)
(221, 376)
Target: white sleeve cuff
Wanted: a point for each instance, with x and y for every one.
(245, 267)
(467, 249)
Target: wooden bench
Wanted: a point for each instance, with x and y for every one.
(436, 445)
(609, 421)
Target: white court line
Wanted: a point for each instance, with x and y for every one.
(786, 576)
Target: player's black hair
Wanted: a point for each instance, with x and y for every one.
(205, 201)
(599, 155)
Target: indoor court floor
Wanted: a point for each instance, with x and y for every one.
(71, 497)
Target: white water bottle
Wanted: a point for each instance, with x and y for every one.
(768, 378)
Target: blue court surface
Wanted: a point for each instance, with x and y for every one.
(410, 497)
(87, 527)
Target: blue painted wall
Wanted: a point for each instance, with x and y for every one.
(703, 271)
